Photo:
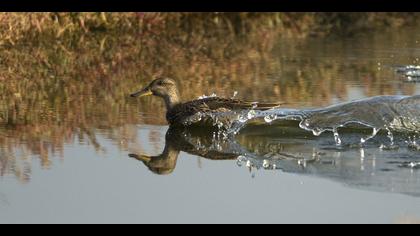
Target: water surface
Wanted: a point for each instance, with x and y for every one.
(102, 157)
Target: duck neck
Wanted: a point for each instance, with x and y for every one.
(172, 100)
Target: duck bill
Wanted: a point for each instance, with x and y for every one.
(142, 93)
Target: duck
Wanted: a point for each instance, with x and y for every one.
(178, 111)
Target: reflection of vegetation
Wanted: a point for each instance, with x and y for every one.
(66, 76)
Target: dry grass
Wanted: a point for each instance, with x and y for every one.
(28, 26)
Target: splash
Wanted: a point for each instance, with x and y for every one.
(392, 114)
(413, 144)
(234, 94)
(270, 118)
(205, 96)
(374, 133)
(336, 137)
(410, 164)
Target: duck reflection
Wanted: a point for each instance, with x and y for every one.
(292, 150)
(197, 142)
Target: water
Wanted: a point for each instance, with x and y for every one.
(340, 149)
(395, 114)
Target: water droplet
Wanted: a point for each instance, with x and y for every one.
(411, 164)
(302, 163)
(391, 137)
(270, 118)
(242, 119)
(389, 147)
(266, 164)
(374, 133)
(248, 164)
(205, 96)
(317, 131)
(234, 94)
(412, 144)
(251, 114)
(337, 137)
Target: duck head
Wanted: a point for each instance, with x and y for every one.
(161, 87)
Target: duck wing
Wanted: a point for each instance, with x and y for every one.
(236, 104)
(214, 104)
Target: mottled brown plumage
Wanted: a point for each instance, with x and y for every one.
(177, 111)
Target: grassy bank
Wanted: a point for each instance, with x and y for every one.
(29, 26)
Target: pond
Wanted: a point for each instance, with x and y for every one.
(83, 151)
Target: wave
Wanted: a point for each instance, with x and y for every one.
(382, 114)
